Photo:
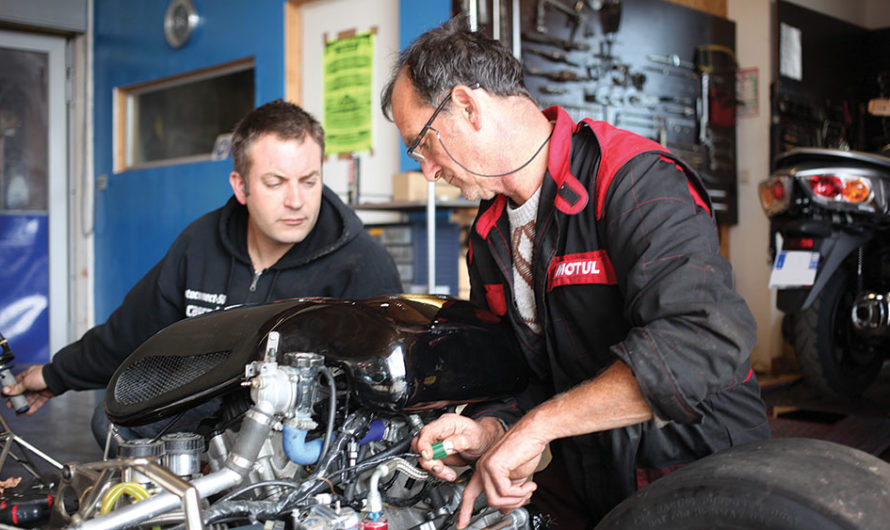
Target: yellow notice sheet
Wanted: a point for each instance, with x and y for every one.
(347, 93)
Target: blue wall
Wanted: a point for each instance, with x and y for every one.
(416, 17)
(140, 212)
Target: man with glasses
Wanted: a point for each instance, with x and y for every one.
(599, 247)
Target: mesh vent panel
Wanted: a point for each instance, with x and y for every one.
(152, 377)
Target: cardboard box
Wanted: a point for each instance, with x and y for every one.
(412, 186)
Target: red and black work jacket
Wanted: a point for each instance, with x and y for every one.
(627, 266)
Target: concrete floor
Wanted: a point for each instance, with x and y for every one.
(61, 429)
(800, 410)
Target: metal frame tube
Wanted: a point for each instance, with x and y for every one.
(162, 502)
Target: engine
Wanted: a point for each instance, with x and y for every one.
(318, 402)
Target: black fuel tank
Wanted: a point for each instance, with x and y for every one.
(403, 352)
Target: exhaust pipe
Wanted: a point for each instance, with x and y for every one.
(870, 314)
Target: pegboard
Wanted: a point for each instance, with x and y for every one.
(659, 69)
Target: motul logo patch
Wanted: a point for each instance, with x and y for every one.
(583, 268)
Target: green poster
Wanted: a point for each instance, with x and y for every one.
(348, 66)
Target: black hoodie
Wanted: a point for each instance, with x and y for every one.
(208, 268)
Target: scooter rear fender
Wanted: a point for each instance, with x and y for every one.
(833, 250)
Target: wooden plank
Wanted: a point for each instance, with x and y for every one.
(120, 130)
(293, 52)
(191, 75)
(777, 410)
(714, 7)
(723, 237)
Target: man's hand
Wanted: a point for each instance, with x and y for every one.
(503, 472)
(31, 383)
(465, 440)
(609, 401)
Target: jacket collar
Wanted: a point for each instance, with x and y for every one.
(571, 196)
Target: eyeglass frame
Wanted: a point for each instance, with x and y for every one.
(412, 149)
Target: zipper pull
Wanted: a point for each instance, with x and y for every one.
(256, 279)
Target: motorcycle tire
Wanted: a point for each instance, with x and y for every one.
(833, 358)
(778, 484)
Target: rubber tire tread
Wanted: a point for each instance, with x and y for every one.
(778, 484)
(811, 326)
(804, 340)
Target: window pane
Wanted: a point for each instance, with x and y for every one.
(184, 120)
(24, 148)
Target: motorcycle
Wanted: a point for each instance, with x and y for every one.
(829, 214)
(320, 399)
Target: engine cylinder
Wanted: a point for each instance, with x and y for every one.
(139, 448)
(182, 453)
(870, 313)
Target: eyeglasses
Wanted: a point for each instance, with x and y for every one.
(412, 149)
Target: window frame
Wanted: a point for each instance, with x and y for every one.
(125, 100)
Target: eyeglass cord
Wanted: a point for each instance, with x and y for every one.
(527, 162)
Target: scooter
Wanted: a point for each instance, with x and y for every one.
(830, 242)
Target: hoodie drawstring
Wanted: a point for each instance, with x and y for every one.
(228, 290)
(268, 298)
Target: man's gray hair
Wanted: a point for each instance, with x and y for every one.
(453, 55)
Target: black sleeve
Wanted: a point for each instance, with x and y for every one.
(692, 334)
(155, 302)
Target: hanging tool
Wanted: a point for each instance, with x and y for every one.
(610, 16)
(677, 99)
(543, 38)
(679, 109)
(672, 71)
(561, 75)
(671, 60)
(553, 90)
(704, 63)
(642, 100)
(556, 56)
(576, 17)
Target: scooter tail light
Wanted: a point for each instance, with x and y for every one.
(828, 186)
(777, 188)
(856, 190)
(774, 194)
(800, 243)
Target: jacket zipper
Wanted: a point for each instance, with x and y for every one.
(256, 279)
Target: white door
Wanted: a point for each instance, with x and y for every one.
(33, 197)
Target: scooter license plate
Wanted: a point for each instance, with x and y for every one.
(794, 268)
